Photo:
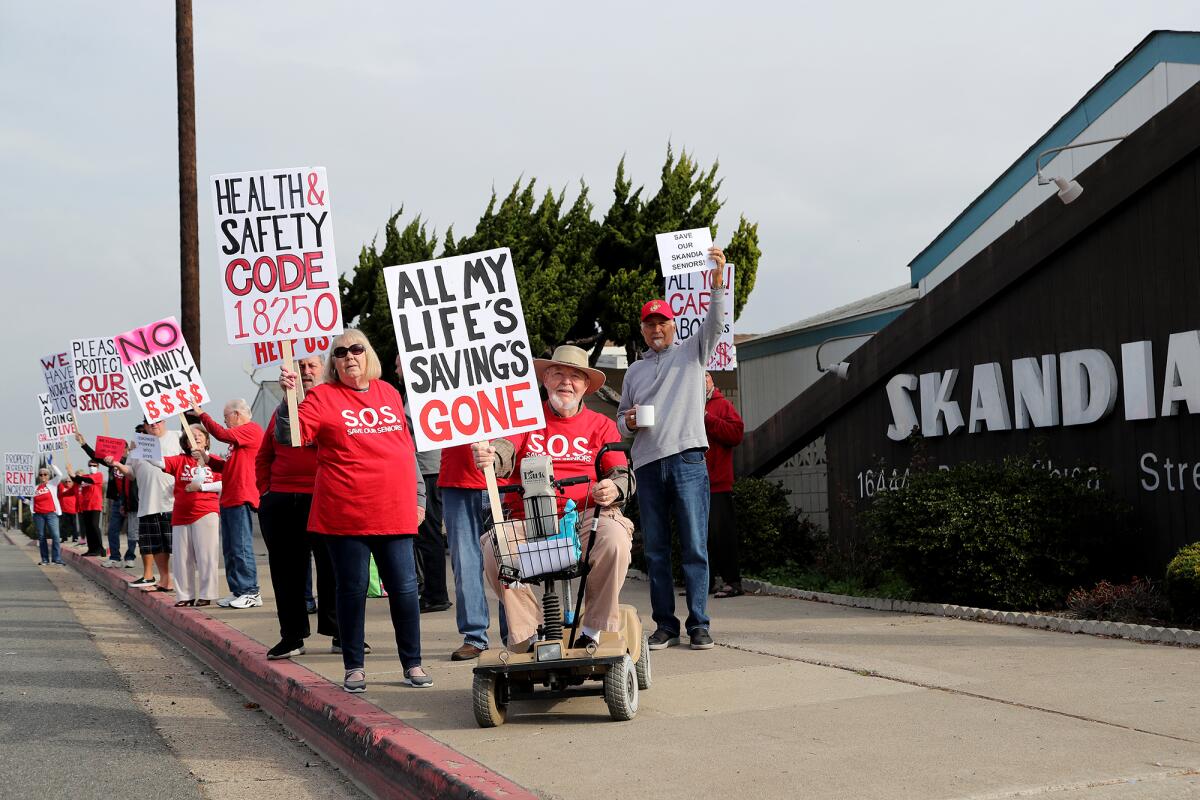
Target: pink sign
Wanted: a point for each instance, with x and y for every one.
(149, 340)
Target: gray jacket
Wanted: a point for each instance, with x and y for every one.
(673, 382)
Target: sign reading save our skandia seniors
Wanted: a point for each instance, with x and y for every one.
(279, 274)
(1077, 387)
(684, 251)
(464, 350)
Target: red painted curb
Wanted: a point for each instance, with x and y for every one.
(385, 756)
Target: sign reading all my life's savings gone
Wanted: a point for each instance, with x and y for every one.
(463, 346)
(279, 276)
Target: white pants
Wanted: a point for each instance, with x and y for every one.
(197, 556)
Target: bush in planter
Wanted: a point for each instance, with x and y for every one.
(1183, 583)
(1001, 534)
(1139, 601)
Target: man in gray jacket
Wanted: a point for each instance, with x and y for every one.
(662, 407)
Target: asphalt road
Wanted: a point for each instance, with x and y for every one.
(94, 703)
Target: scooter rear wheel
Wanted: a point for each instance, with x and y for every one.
(621, 690)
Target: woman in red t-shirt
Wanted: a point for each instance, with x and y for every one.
(45, 513)
(368, 496)
(195, 522)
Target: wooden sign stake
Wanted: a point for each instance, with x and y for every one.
(289, 363)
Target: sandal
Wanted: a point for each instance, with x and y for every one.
(162, 589)
(200, 603)
(729, 590)
(185, 604)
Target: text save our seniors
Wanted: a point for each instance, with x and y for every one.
(460, 330)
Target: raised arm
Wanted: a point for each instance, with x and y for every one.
(714, 322)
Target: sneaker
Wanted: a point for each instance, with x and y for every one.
(355, 681)
(700, 640)
(246, 601)
(226, 600)
(416, 677)
(129, 562)
(285, 650)
(142, 582)
(336, 646)
(61, 563)
(660, 639)
(108, 563)
(429, 608)
(466, 653)
(43, 563)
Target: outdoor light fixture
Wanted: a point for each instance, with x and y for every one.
(842, 368)
(1068, 190)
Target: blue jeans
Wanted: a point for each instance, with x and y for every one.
(237, 544)
(463, 511)
(398, 571)
(678, 482)
(116, 521)
(43, 524)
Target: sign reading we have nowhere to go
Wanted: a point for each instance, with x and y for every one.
(279, 276)
(99, 377)
(60, 381)
(162, 374)
(463, 346)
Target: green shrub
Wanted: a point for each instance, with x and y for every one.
(1002, 534)
(1183, 583)
(772, 532)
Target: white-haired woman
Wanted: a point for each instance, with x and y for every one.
(239, 500)
(368, 496)
(46, 511)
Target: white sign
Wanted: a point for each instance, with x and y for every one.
(162, 374)
(1077, 387)
(689, 296)
(279, 275)
(19, 474)
(463, 346)
(50, 444)
(268, 354)
(685, 251)
(55, 423)
(60, 381)
(147, 447)
(99, 376)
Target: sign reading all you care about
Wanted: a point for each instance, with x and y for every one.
(684, 251)
(99, 377)
(689, 296)
(461, 334)
(162, 374)
(279, 273)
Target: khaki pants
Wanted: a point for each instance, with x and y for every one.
(197, 558)
(609, 560)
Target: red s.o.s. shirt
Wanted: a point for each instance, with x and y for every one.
(91, 496)
(191, 506)
(366, 462)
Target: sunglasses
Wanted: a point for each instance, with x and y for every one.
(342, 352)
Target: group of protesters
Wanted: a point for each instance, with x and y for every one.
(355, 492)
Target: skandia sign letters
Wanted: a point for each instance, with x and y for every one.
(1076, 387)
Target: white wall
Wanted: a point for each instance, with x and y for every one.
(1158, 89)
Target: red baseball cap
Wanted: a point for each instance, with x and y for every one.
(659, 307)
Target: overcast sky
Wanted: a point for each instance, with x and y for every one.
(853, 133)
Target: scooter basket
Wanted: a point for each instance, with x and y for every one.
(539, 545)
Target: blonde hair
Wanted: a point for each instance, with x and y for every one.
(373, 370)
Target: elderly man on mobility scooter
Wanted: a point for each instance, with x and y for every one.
(572, 437)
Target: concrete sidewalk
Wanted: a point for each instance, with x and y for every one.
(804, 699)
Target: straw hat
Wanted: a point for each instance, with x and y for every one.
(570, 356)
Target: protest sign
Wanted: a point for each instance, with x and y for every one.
(688, 296)
(55, 423)
(684, 251)
(99, 378)
(107, 446)
(464, 350)
(162, 374)
(148, 447)
(279, 276)
(268, 354)
(50, 444)
(60, 382)
(19, 474)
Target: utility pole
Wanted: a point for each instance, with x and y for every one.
(189, 245)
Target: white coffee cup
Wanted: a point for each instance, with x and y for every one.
(644, 416)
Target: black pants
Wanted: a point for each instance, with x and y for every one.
(283, 517)
(69, 531)
(91, 530)
(723, 537)
(431, 547)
